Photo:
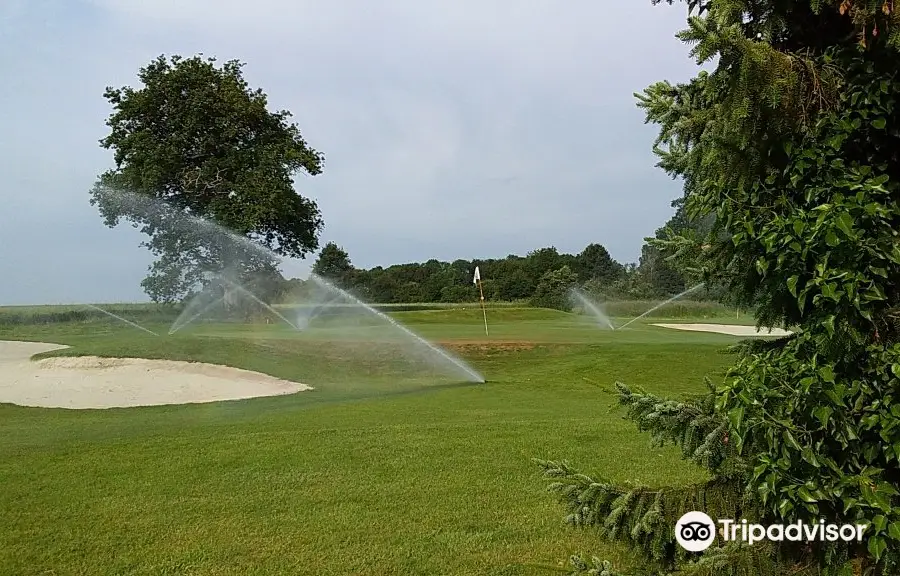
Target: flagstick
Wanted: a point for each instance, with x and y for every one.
(483, 311)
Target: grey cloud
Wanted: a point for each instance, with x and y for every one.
(450, 130)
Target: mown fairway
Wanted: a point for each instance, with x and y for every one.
(375, 472)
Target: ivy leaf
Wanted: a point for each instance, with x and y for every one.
(805, 494)
(894, 530)
(877, 546)
(792, 285)
(791, 441)
(736, 416)
(828, 323)
(845, 224)
(823, 414)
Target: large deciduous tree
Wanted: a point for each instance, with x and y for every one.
(792, 144)
(197, 137)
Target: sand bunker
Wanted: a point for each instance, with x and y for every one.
(92, 382)
(730, 329)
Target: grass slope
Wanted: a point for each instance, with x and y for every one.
(364, 475)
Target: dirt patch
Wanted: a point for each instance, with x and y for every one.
(94, 382)
(488, 345)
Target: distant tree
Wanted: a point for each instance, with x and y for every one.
(198, 137)
(659, 275)
(594, 262)
(384, 288)
(539, 262)
(515, 286)
(553, 289)
(458, 293)
(333, 264)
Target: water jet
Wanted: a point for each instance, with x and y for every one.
(661, 304)
(119, 318)
(602, 319)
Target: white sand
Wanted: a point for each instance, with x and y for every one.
(92, 382)
(730, 329)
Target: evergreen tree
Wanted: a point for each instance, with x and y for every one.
(791, 145)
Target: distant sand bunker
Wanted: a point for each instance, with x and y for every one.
(730, 329)
(93, 382)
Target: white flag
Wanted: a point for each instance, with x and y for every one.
(477, 276)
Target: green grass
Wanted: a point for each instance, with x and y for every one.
(379, 470)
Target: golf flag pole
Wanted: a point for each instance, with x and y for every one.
(477, 280)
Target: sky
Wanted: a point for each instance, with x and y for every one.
(450, 130)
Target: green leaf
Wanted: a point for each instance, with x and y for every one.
(894, 530)
(805, 495)
(810, 456)
(827, 374)
(791, 441)
(845, 224)
(879, 123)
(828, 323)
(736, 416)
(823, 414)
(876, 546)
(792, 285)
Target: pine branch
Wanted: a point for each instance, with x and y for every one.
(639, 516)
(694, 425)
(731, 559)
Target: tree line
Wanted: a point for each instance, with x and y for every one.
(535, 277)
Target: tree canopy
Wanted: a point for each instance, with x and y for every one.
(197, 137)
(513, 278)
(788, 148)
(333, 263)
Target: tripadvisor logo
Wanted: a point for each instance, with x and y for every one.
(695, 532)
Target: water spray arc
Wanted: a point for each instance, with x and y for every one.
(594, 309)
(178, 324)
(117, 317)
(237, 256)
(470, 374)
(661, 304)
(253, 297)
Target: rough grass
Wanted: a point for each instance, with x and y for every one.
(366, 475)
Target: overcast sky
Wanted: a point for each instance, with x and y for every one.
(451, 129)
